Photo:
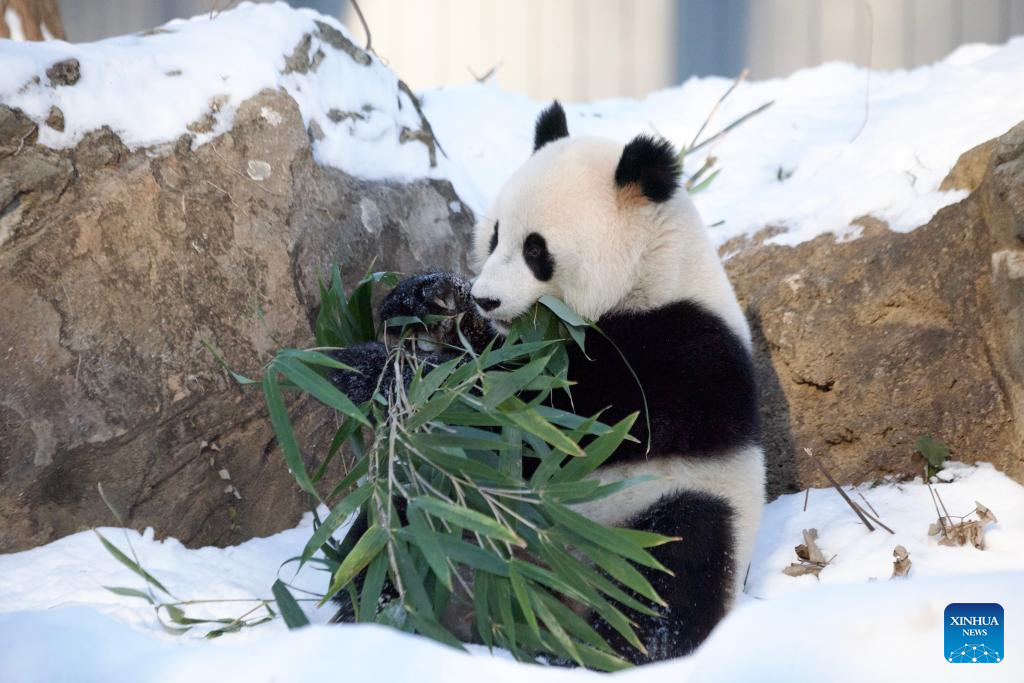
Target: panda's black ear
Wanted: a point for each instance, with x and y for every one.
(551, 126)
(652, 164)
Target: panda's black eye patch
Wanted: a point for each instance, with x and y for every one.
(494, 239)
(538, 258)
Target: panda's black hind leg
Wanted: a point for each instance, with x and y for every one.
(704, 568)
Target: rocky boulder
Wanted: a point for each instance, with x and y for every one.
(865, 345)
(116, 266)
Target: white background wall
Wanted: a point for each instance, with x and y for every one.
(584, 49)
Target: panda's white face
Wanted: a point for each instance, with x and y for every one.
(603, 226)
(560, 226)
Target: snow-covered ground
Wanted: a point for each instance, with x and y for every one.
(58, 623)
(810, 163)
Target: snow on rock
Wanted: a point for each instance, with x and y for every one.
(57, 622)
(809, 163)
(190, 75)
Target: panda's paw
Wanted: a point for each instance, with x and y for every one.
(435, 293)
(440, 299)
(369, 363)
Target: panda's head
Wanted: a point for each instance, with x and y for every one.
(575, 221)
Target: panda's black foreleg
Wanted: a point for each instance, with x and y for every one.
(704, 574)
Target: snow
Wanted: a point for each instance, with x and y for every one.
(918, 123)
(852, 624)
(148, 88)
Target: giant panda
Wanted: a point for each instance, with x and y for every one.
(607, 228)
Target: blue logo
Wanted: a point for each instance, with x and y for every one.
(974, 633)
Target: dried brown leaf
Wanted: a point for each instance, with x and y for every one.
(901, 565)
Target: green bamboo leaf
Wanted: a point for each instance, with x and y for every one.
(471, 555)
(465, 438)
(481, 593)
(501, 595)
(463, 465)
(703, 185)
(345, 432)
(466, 518)
(425, 387)
(423, 537)
(597, 452)
(366, 548)
(417, 600)
(613, 540)
(292, 614)
(555, 627)
(373, 586)
(315, 358)
(562, 310)
(522, 595)
(575, 625)
(623, 572)
(432, 629)
(502, 385)
(510, 352)
(313, 383)
(358, 470)
(646, 539)
(341, 512)
(529, 420)
(605, 490)
(241, 379)
(130, 563)
(510, 460)
(589, 580)
(591, 658)
(285, 435)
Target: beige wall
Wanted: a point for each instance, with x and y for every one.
(573, 49)
(584, 49)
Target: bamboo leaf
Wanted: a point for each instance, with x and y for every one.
(467, 518)
(284, 433)
(311, 382)
(130, 563)
(292, 614)
(341, 512)
(522, 595)
(366, 548)
(529, 420)
(505, 385)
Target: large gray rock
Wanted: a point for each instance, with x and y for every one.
(863, 346)
(116, 267)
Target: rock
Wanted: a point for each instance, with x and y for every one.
(118, 265)
(863, 346)
(969, 170)
(66, 72)
(55, 119)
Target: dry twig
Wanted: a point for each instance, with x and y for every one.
(856, 508)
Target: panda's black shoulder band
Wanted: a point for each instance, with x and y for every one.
(551, 126)
(652, 164)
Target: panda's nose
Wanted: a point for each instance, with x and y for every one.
(487, 304)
